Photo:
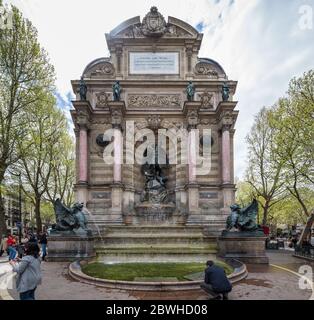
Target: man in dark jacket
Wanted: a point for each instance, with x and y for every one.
(216, 282)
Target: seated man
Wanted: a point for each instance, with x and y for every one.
(216, 282)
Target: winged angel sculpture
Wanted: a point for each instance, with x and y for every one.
(70, 220)
(243, 219)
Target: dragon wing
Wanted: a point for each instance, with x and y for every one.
(251, 210)
(60, 209)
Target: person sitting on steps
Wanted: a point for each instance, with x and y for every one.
(216, 282)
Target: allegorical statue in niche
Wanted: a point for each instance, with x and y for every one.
(82, 89)
(155, 185)
(70, 220)
(190, 91)
(116, 89)
(225, 92)
(244, 219)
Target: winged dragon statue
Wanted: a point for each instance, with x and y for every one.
(70, 220)
(243, 220)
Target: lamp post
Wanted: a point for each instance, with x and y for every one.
(20, 208)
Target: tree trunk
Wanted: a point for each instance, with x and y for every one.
(37, 213)
(3, 225)
(265, 213)
(297, 195)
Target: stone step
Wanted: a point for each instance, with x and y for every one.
(154, 256)
(140, 229)
(167, 247)
(155, 250)
(153, 241)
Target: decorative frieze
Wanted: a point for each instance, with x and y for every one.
(154, 100)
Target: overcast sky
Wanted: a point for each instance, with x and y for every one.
(260, 43)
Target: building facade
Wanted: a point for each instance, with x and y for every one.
(154, 61)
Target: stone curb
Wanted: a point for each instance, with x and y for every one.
(76, 273)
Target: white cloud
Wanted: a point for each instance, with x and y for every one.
(258, 42)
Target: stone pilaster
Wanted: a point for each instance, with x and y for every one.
(227, 117)
(117, 112)
(190, 111)
(81, 117)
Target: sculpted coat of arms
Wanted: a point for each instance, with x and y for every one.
(154, 23)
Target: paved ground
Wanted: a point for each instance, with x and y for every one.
(263, 283)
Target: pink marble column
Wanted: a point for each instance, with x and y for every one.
(192, 156)
(226, 165)
(117, 143)
(83, 155)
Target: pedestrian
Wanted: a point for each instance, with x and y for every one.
(28, 272)
(216, 282)
(3, 245)
(11, 242)
(43, 241)
(33, 238)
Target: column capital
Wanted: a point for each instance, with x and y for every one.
(227, 120)
(117, 113)
(82, 114)
(191, 112)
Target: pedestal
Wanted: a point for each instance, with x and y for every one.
(70, 248)
(246, 248)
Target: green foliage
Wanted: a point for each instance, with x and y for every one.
(264, 172)
(286, 132)
(33, 131)
(47, 213)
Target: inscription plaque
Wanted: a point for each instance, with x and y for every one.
(154, 62)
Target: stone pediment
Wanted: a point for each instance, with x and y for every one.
(101, 67)
(209, 68)
(154, 25)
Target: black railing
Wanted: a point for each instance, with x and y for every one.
(305, 252)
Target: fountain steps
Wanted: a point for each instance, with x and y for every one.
(143, 229)
(153, 240)
(157, 249)
(155, 243)
(130, 256)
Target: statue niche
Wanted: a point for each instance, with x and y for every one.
(155, 190)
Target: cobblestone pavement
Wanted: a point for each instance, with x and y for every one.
(263, 283)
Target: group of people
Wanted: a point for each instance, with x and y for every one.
(24, 257)
(14, 248)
